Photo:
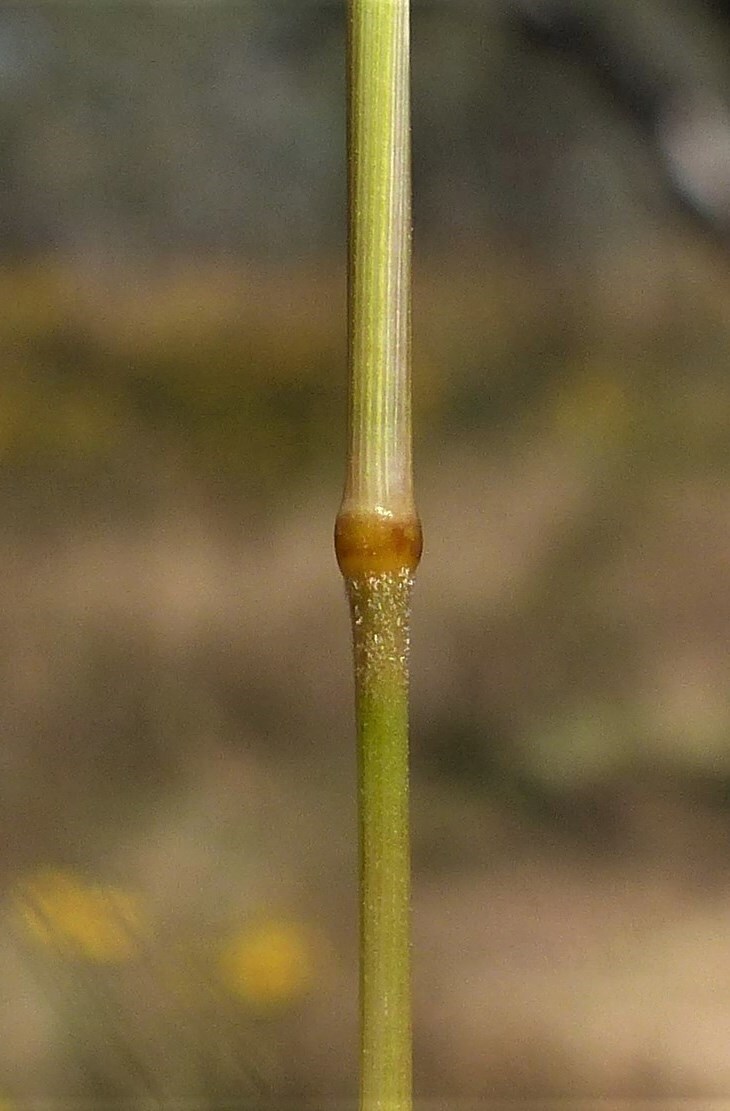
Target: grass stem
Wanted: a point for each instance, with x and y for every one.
(377, 533)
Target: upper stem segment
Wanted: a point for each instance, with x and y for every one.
(379, 474)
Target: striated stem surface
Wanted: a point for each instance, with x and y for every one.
(377, 533)
(379, 473)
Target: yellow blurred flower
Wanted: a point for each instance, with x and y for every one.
(100, 923)
(270, 964)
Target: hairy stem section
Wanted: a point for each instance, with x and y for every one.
(380, 608)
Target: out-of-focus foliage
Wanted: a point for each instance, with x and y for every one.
(131, 128)
(230, 366)
(177, 784)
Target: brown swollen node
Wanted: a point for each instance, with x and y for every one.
(377, 544)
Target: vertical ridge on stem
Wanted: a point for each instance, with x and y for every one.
(379, 185)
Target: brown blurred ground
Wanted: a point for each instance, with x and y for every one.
(177, 797)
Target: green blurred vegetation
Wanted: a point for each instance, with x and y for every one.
(237, 368)
(230, 370)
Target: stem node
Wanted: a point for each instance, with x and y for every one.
(377, 543)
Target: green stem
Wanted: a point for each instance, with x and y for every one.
(380, 609)
(379, 185)
(378, 534)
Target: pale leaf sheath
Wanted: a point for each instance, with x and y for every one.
(379, 472)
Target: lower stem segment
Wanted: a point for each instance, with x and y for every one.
(380, 606)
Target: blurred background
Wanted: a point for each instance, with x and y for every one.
(178, 915)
